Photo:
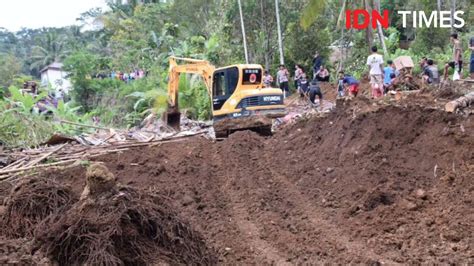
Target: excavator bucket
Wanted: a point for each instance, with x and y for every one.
(172, 119)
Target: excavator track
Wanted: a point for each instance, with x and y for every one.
(259, 124)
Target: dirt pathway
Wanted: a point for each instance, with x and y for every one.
(329, 232)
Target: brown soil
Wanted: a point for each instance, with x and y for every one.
(369, 183)
(366, 184)
(19, 252)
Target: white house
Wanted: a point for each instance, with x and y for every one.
(54, 76)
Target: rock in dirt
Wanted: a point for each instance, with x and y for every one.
(187, 200)
(421, 194)
(98, 181)
(408, 205)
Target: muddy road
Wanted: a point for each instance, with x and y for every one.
(362, 185)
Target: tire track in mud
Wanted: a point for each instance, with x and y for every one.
(328, 231)
(268, 206)
(265, 252)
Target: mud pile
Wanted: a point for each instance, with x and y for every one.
(398, 178)
(368, 183)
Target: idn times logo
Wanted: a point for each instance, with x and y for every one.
(362, 19)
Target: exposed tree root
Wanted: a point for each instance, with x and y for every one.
(120, 226)
(30, 202)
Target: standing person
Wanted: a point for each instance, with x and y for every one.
(283, 78)
(375, 63)
(471, 47)
(317, 63)
(457, 58)
(298, 73)
(267, 79)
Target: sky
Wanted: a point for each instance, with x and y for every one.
(15, 14)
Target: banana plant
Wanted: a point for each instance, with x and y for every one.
(24, 102)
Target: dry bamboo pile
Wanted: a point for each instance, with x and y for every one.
(83, 148)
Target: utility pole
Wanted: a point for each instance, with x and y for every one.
(453, 9)
(243, 33)
(280, 42)
(379, 30)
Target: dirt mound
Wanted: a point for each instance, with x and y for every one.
(114, 225)
(30, 202)
(387, 176)
(369, 183)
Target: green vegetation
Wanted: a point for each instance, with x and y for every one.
(141, 36)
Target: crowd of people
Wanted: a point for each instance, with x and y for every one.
(383, 76)
(305, 87)
(124, 76)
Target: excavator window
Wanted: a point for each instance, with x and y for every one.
(224, 84)
(219, 84)
(252, 76)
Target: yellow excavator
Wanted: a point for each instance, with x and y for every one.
(239, 99)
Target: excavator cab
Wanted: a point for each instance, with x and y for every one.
(239, 99)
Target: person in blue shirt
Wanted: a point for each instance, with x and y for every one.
(351, 82)
(387, 71)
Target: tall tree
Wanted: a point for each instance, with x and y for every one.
(51, 48)
(10, 67)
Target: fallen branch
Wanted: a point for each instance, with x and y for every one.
(34, 167)
(34, 162)
(15, 164)
(463, 101)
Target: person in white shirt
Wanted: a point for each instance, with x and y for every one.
(375, 63)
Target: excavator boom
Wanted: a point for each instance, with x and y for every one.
(172, 116)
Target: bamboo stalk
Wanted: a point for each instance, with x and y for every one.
(35, 166)
(34, 162)
(14, 164)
